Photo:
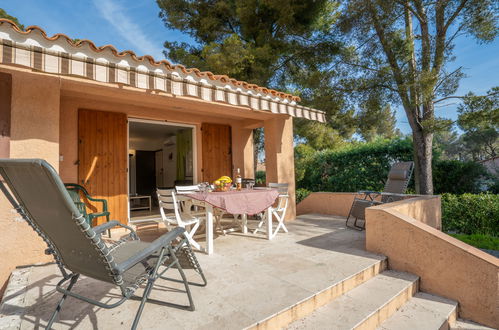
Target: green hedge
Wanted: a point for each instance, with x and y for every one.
(365, 167)
(301, 194)
(358, 167)
(456, 177)
(471, 214)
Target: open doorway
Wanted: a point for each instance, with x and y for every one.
(161, 155)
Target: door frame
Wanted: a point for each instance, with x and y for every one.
(164, 123)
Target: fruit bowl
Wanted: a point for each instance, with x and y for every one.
(222, 185)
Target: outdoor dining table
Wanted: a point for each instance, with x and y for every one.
(243, 202)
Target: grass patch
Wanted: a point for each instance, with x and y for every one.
(479, 240)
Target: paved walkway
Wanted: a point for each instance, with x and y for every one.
(249, 279)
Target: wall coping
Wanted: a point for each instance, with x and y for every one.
(434, 232)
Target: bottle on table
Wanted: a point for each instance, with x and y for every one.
(239, 180)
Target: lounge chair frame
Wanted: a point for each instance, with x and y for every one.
(393, 191)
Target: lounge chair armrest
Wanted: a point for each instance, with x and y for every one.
(108, 225)
(155, 246)
(368, 192)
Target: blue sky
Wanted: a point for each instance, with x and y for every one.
(135, 25)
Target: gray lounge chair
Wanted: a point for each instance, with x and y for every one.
(395, 186)
(37, 193)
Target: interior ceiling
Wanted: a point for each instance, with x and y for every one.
(152, 133)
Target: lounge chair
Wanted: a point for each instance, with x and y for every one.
(37, 193)
(395, 186)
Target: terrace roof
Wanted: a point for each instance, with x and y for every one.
(61, 55)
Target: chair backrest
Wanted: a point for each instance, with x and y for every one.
(169, 206)
(187, 189)
(399, 177)
(47, 206)
(282, 188)
(245, 181)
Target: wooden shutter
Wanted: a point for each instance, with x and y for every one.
(217, 151)
(103, 162)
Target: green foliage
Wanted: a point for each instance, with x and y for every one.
(402, 48)
(471, 214)
(260, 178)
(3, 14)
(479, 118)
(355, 167)
(248, 40)
(457, 177)
(375, 120)
(301, 194)
(317, 135)
(365, 166)
(479, 241)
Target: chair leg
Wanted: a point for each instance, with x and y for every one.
(147, 291)
(260, 224)
(184, 279)
(59, 306)
(280, 224)
(150, 282)
(190, 236)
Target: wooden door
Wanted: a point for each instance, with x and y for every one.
(103, 159)
(217, 151)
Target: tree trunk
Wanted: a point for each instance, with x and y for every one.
(422, 145)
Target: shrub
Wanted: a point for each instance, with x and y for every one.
(456, 177)
(260, 178)
(479, 240)
(471, 213)
(357, 167)
(301, 194)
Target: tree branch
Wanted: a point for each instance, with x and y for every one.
(455, 14)
(463, 97)
(408, 7)
(442, 80)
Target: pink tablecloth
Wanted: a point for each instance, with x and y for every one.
(239, 202)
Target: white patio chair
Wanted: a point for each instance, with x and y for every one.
(172, 215)
(187, 189)
(279, 212)
(186, 205)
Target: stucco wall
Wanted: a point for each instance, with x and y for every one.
(425, 209)
(446, 266)
(34, 134)
(336, 203)
(279, 157)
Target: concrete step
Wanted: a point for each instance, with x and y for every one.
(423, 312)
(307, 306)
(364, 307)
(469, 325)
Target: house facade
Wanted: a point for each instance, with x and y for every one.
(97, 115)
